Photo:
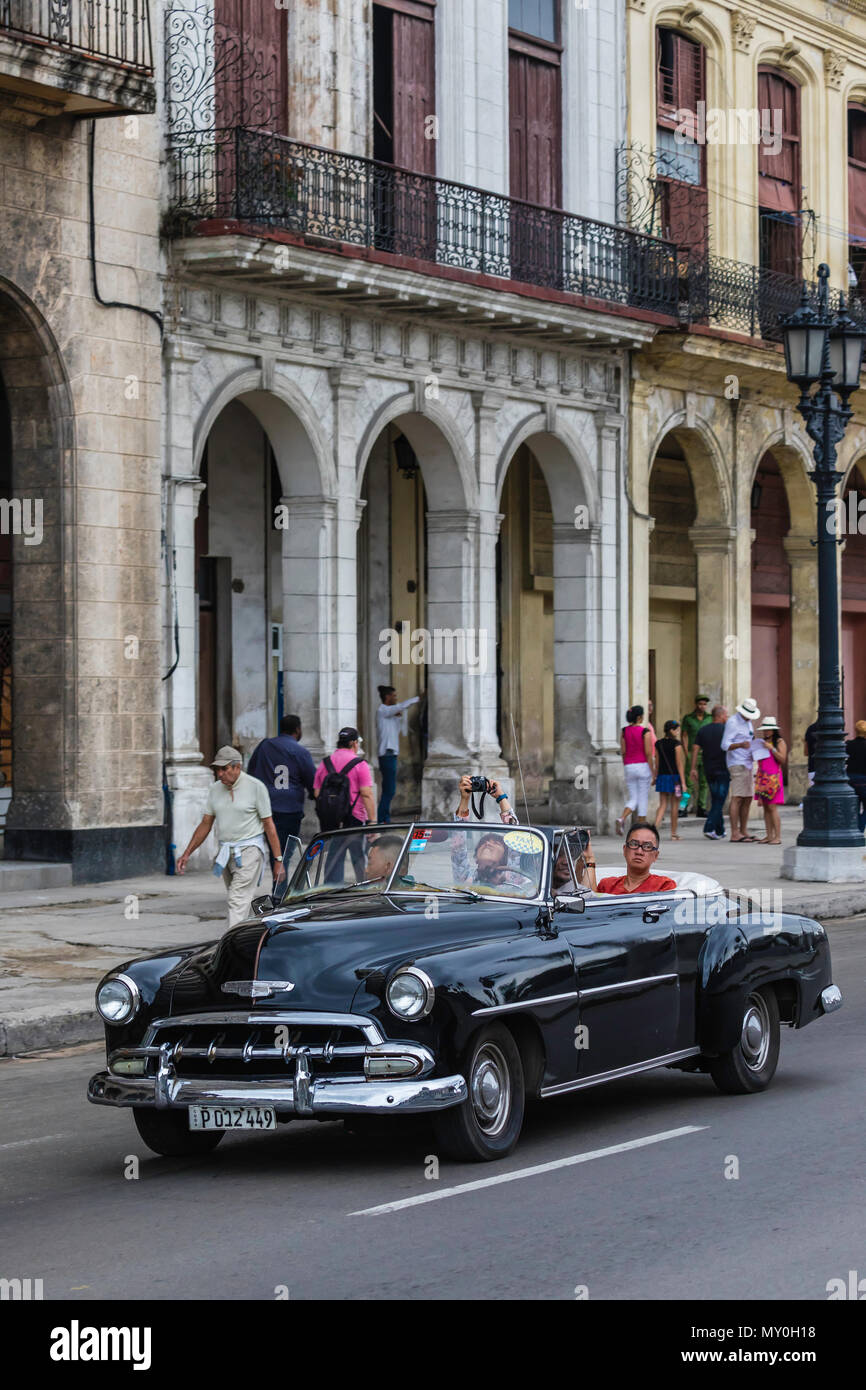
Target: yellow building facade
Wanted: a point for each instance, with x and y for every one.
(747, 132)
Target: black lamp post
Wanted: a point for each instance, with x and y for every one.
(827, 349)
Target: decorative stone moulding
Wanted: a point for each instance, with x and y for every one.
(834, 69)
(742, 30)
(689, 14)
(639, 5)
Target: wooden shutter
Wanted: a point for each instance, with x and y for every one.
(534, 130)
(251, 64)
(414, 89)
(856, 172)
(679, 75)
(779, 173)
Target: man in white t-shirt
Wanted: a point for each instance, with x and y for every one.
(241, 808)
(737, 747)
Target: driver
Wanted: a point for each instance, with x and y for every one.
(381, 857)
(562, 880)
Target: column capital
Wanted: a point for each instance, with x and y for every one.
(312, 506)
(465, 519)
(487, 401)
(609, 423)
(566, 533)
(193, 481)
(800, 548)
(345, 380)
(713, 538)
(182, 352)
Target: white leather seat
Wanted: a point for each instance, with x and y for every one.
(701, 884)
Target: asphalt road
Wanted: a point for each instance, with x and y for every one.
(290, 1211)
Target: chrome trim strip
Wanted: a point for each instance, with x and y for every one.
(367, 1026)
(598, 990)
(618, 1072)
(327, 1097)
(525, 1003)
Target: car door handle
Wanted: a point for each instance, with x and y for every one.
(653, 911)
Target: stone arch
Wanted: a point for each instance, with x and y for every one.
(794, 461)
(705, 461)
(445, 461)
(563, 461)
(304, 457)
(42, 471)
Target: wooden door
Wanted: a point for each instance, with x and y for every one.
(853, 671)
(771, 665)
(534, 93)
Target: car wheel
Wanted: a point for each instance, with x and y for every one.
(488, 1123)
(167, 1132)
(750, 1065)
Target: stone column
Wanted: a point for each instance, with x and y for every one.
(723, 657)
(483, 690)
(307, 548)
(188, 778)
(342, 602)
(453, 670)
(577, 792)
(640, 526)
(804, 656)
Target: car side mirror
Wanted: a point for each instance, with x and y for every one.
(262, 906)
(577, 904)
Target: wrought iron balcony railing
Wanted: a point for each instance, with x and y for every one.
(748, 299)
(116, 31)
(266, 180)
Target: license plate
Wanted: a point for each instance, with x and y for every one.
(232, 1117)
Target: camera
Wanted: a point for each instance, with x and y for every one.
(479, 784)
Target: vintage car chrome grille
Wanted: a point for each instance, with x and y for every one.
(262, 1049)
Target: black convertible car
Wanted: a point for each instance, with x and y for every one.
(455, 969)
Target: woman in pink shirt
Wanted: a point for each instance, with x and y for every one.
(636, 747)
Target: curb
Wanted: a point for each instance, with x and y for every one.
(61, 1029)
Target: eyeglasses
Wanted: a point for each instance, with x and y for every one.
(645, 846)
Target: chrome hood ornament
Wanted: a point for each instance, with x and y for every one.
(257, 989)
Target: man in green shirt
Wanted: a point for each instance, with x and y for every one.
(240, 807)
(699, 790)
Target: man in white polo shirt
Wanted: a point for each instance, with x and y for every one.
(737, 746)
(241, 808)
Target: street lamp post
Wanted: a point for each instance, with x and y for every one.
(826, 349)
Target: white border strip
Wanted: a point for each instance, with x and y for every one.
(529, 1172)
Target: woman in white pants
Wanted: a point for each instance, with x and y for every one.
(635, 744)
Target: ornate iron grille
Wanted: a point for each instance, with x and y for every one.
(115, 30)
(214, 79)
(747, 299)
(270, 181)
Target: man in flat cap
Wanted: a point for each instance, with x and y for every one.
(241, 808)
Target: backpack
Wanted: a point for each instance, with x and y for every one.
(334, 802)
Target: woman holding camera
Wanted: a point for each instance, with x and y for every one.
(506, 814)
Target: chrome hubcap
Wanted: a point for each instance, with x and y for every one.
(490, 1088)
(755, 1038)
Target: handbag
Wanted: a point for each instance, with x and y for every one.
(767, 785)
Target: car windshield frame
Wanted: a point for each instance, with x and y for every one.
(311, 894)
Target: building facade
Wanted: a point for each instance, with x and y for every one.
(744, 148)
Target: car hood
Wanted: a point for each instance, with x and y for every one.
(322, 957)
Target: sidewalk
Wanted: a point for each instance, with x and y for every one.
(55, 944)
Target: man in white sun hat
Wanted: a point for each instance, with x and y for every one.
(737, 745)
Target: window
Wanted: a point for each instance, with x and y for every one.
(779, 192)
(680, 157)
(404, 84)
(536, 17)
(857, 199)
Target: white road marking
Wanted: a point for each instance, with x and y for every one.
(529, 1172)
(41, 1139)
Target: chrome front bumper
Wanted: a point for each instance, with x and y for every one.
(331, 1096)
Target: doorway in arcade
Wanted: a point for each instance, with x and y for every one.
(853, 648)
(239, 586)
(673, 614)
(392, 607)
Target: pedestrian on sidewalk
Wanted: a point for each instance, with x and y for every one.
(810, 743)
(240, 808)
(343, 785)
(737, 743)
(708, 745)
(287, 770)
(636, 747)
(770, 779)
(856, 770)
(698, 787)
(670, 775)
(390, 722)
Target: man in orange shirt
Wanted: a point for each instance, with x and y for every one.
(640, 850)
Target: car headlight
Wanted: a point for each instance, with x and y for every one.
(118, 999)
(410, 993)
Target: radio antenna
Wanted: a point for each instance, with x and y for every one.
(519, 768)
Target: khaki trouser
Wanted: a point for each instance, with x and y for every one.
(241, 883)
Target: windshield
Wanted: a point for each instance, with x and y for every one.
(475, 860)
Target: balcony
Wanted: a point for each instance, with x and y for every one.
(747, 299)
(237, 180)
(74, 57)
